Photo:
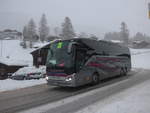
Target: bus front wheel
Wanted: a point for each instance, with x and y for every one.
(95, 78)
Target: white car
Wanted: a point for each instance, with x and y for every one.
(29, 73)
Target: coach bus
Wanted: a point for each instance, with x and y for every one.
(81, 61)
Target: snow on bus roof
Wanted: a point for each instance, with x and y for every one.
(41, 45)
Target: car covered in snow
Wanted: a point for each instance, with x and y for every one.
(27, 73)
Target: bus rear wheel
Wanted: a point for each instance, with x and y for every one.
(95, 79)
(123, 72)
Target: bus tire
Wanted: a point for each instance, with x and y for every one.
(95, 79)
(24, 78)
(121, 72)
(125, 71)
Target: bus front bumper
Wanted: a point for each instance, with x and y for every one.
(61, 81)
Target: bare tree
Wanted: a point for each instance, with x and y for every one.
(43, 28)
(67, 29)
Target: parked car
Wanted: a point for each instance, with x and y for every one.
(27, 73)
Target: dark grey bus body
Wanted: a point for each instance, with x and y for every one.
(91, 57)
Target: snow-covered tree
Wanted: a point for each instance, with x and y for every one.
(25, 33)
(67, 29)
(43, 28)
(83, 35)
(25, 36)
(57, 31)
(31, 28)
(124, 33)
(31, 31)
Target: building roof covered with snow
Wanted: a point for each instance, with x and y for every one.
(13, 62)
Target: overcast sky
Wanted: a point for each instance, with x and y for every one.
(91, 16)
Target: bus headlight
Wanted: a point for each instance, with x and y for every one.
(68, 79)
(46, 77)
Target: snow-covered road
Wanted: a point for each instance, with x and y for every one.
(124, 95)
(132, 100)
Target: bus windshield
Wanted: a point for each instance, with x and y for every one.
(58, 56)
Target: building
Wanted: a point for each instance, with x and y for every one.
(10, 34)
(40, 54)
(140, 44)
(9, 66)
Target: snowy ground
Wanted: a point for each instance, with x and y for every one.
(11, 50)
(10, 84)
(133, 100)
(13, 53)
(140, 58)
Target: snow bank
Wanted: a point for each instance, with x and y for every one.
(9, 84)
(27, 70)
(140, 58)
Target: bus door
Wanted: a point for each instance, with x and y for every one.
(80, 59)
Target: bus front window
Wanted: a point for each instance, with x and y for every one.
(58, 57)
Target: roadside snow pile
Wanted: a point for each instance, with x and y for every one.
(9, 84)
(140, 58)
(27, 70)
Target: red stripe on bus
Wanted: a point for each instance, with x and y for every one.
(64, 75)
(113, 59)
(101, 65)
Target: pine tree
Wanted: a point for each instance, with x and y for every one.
(25, 33)
(31, 30)
(25, 37)
(83, 35)
(124, 33)
(67, 29)
(43, 28)
(56, 31)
